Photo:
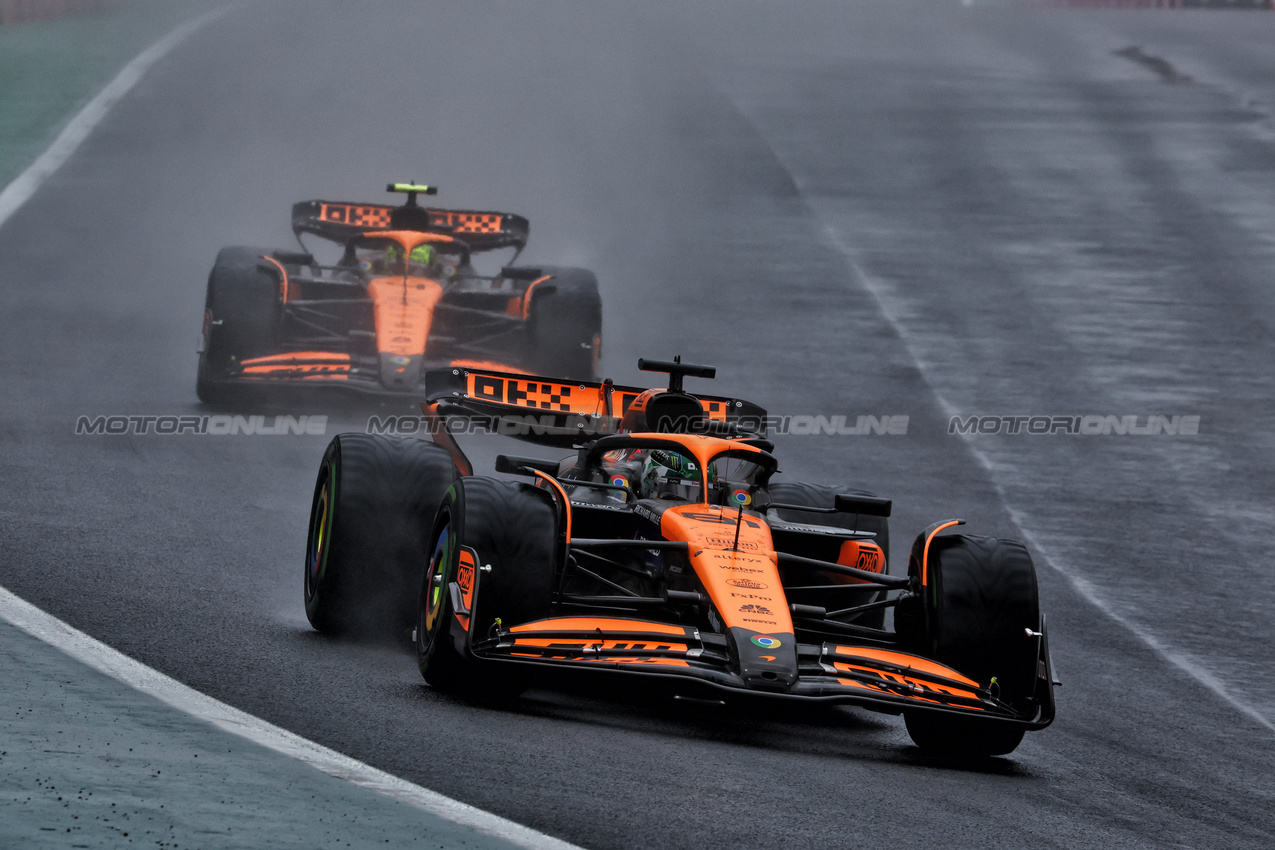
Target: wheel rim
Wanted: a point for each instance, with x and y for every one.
(433, 591)
(320, 535)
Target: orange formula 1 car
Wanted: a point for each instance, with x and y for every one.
(661, 548)
(402, 298)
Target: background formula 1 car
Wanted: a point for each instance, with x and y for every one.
(662, 549)
(403, 297)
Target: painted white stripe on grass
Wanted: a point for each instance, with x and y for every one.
(99, 656)
(78, 129)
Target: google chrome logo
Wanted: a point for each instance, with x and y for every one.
(766, 641)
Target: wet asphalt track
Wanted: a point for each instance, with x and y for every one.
(890, 207)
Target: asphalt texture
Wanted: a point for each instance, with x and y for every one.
(878, 208)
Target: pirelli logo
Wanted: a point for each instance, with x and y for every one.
(355, 215)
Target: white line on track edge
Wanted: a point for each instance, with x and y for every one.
(103, 658)
(1183, 661)
(45, 627)
(1082, 586)
(22, 187)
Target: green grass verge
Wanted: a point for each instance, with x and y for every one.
(50, 69)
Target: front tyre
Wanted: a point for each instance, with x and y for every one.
(979, 614)
(374, 500)
(483, 523)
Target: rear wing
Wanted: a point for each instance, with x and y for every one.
(341, 221)
(555, 411)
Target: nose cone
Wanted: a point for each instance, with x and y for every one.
(400, 371)
(767, 662)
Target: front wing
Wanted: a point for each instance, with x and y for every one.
(874, 677)
(341, 371)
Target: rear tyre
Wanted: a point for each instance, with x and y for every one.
(564, 324)
(824, 496)
(374, 500)
(979, 604)
(511, 527)
(241, 318)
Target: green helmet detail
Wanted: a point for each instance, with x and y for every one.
(670, 474)
(423, 254)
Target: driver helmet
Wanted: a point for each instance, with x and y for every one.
(421, 254)
(670, 475)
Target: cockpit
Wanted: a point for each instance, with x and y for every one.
(383, 256)
(665, 469)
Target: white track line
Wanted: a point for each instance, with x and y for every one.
(86, 120)
(1183, 661)
(1186, 663)
(885, 305)
(99, 656)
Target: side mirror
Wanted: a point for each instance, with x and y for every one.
(521, 273)
(864, 505)
(524, 465)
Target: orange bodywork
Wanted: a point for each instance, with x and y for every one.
(465, 579)
(891, 680)
(562, 498)
(486, 364)
(526, 296)
(641, 636)
(403, 305)
(590, 624)
(299, 364)
(741, 578)
(283, 278)
(403, 308)
(862, 555)
(925, 555)
(379, 215)
(559, 396)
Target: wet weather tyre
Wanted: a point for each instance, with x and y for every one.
(374, 503)
(824, 496)
(564, 324)
(979, 610)
(242, 307)
(510, 527)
